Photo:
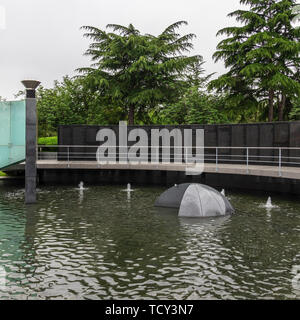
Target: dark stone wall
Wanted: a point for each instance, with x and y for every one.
(266, 185)
(276, 134)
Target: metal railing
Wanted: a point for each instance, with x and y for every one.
(244, 156)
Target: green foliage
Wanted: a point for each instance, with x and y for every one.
(196, 107)
(2, 174)
(135, 72)
(205, 109)
(48, 141)
(262, 56)
(63, 104)
(295, 111)
(134, 76)
(72, 102)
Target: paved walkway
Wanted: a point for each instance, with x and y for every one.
(254, 170)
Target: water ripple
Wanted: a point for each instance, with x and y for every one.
(109, 248)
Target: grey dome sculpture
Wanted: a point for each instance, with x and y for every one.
(195, 201)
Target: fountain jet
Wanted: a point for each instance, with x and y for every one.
(81, 185)
(128, 188)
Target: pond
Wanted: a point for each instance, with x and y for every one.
(104, 243)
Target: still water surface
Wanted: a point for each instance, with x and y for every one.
(99, 244)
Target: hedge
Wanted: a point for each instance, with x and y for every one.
(48, 141)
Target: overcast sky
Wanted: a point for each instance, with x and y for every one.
(42, 38)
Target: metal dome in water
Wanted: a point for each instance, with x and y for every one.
(195, 201)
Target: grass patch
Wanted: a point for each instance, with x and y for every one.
(2, 174)
(48, 141)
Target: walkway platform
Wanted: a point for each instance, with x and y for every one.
(235, 169)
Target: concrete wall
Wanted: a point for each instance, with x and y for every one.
(276, 134)
(266, 185)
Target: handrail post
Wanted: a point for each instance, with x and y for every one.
(186, 155)
(217, 159)
(247, 160)
(280, 162)
(158, 156)
(68, 157)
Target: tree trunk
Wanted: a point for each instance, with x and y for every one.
(271, 105)
(131, 116)
(281, 107)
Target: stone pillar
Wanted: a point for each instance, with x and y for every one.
(31, 141)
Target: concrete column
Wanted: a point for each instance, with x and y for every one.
(31, 141)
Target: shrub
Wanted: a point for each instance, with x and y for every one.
(48, 141)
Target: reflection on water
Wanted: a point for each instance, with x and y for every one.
(98, 244)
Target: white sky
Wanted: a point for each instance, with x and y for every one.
(41, 39)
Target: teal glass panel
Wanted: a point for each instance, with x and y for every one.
(12, 132)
